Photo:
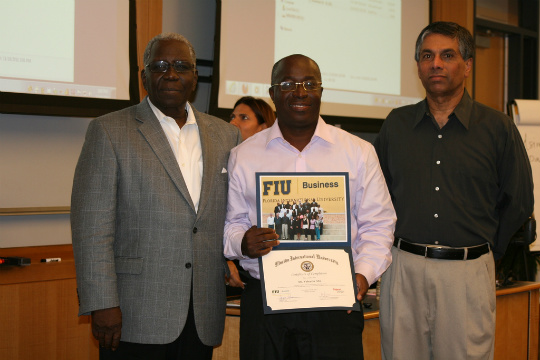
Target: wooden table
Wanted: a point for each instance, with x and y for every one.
(39, 306)
(516, 330)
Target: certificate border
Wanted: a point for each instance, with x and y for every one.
(308, 244)
(355, 306)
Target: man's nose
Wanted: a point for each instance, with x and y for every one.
(171, 73)
(437, 62)
(300, 91)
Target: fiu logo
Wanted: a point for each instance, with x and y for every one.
(285, 186)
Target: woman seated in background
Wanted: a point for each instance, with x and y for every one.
(252, 115)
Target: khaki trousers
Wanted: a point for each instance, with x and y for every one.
(437, 309)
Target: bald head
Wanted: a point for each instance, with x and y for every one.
(297, 108)
(289, 60)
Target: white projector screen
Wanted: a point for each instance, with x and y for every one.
(364, 48)
(65, 48)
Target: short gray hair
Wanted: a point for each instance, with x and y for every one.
(452, 30)
(168, 36)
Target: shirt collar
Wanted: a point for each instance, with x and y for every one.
(461, 112)
(321, 131)
(190, 120)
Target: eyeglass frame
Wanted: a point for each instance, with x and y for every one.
(169, 65)
(298, 83)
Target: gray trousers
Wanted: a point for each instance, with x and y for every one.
(437, 309)
(284, 231)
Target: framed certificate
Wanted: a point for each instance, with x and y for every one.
(312, 268)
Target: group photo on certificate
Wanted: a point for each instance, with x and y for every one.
(309, 207)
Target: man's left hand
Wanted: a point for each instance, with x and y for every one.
(362, 287)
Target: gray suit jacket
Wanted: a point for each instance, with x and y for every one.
(137, 240)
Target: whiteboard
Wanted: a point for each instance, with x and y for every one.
(526, 114)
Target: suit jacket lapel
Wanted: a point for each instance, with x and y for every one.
(152, 131)
(208, 145)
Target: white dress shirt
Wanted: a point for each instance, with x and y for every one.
(186, 146)
(330, 150)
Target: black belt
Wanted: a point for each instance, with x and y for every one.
(434, 252)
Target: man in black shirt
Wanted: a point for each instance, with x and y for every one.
(461, 185)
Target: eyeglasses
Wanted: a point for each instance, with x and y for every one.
(309, 85)
(163, 66)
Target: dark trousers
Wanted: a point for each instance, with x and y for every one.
(301, 335)
(187, 346)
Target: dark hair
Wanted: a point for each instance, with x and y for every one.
(452, 30)
(263, 111)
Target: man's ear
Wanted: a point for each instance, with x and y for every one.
(143, 79)
(468, 66)
(271, 92)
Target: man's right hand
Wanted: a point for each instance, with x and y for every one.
(259, 241)
(107, 327)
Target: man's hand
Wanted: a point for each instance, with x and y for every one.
(234, 279)
(362, 287)
(258, 241)
(107, 327)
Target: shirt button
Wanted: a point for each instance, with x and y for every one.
(195, 230)
(440, 136)
(436, 216)
(436, 188)
(438, 162)
(188, 265)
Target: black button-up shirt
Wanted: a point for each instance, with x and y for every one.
(463, 185)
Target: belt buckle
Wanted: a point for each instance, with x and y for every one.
(432, 247)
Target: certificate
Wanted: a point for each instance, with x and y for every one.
(308, 280)
(312, 268)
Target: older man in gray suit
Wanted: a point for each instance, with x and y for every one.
(148, 210)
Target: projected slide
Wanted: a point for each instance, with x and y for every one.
(364, 48)
(38, 56)
(75, 48)
(351, 58)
